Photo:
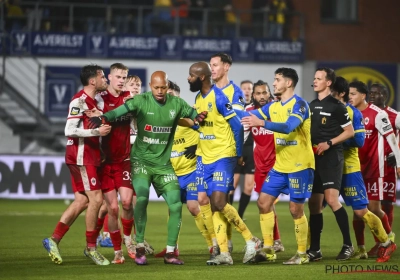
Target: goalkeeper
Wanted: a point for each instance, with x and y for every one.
(157, 116)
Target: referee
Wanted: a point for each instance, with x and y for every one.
(330, 126)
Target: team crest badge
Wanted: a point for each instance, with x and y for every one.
(172, 114)
(323, 120)
(366, 121)
(209, 107)
(289, 111)
(93, 181)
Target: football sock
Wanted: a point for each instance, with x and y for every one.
(277, 235)
(316, 225)
(243, 202)
(173, 199)
(385, 223)
(140, 213)
(388, 209)
(105, 224)
(127, 226)
(205, 211)
(116, 239)
(198, 219)
(229, 231)
(308, 237)
(91, 237)
(59, 232)
(231, 198)
(358, 226)
(99, 225)
(300, 230)
(220, 222)
(267, 228)
(170, 249)
(233, 218)
(343, 221)
(375, 226)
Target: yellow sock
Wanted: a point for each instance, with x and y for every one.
(267, 223)
(203, 229)
(206, 214)
(301, 230)
(233, 218)
(220, 231)
(229, 231)
(375, 225)
(308, 238)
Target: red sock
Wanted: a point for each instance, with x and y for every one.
(59, 232)
(276, 229)
(99, 225)
(116, 239)
(385, 223)
(105, 225)
(127, 226)
(388, 209)
(359, 226)
(91, 237)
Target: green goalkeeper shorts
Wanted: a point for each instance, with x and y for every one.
(162, 177)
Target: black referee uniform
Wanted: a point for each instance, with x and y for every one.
(248, 157)
(328, 118)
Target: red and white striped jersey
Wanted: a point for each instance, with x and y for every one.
(264, 145)
(372, 154)
(394, 118)
(83, 144)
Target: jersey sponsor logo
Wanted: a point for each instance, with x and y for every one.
(318, 107)
(175, 154)
(70, 142)
(157, 129)
(261, 131)
(207, 137)
(172, 114)
(283, 142)
(324, 113)
(153, 141)
(387, 128)
(208, 123)
(385, 121)
(150, 113)
(74, 111)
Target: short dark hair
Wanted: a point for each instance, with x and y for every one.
(246, 82)
(288, 73)
(382, 88)
(173, 86)
(88, 72)
(330, 74)
(341, 85)
(225, 58)
(360, 87)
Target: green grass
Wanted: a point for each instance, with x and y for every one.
(25, 223)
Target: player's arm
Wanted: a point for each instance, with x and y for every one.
(238, 102)
(342, 116)
(73, 126)
(190, 115)
(384, 127)
(359, 131)
(225, 108)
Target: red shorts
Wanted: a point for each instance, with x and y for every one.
(84, 178)
(381, 188)
(259, 178)
(115, 175)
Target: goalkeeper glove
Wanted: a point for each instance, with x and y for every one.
(200, 117)
(391, 160)
(96, 122)
(190, 152)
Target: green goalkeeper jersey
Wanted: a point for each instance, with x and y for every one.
(156, 124)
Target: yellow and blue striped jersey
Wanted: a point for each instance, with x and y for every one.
(351, 159)
(235, 95)
(184, 137)
(293, 151)
(216, 137)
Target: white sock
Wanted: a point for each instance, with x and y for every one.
(214, 241)
(106, 234)
(230, 244)
(170, 249)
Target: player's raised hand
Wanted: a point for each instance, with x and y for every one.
(200, 117)
(96, 122)
(92, 113)
(252, 120)
(190, 152)
(104, 129)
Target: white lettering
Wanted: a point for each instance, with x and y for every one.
(56, 40)
(206, 45)
(133, 43)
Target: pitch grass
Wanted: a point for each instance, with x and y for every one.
(25, 223)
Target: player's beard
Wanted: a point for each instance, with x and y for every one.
(257, 104)
(196, 85)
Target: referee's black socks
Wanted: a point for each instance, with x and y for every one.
(243, 202)
(316, 225)
(343, 221)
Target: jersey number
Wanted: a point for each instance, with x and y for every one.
(126, 176)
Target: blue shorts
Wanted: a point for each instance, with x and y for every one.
(188, 187)
(218, 176)
(353, 191)
(297, 184)
(199, 175)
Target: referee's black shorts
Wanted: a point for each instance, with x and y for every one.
(328, 171)
(248, 159)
